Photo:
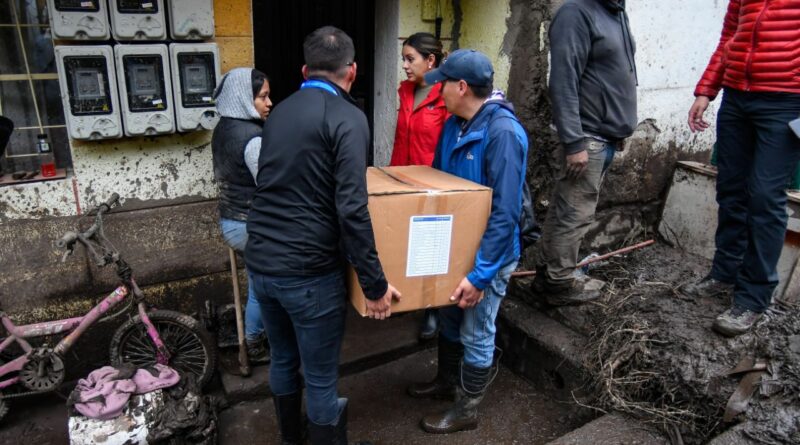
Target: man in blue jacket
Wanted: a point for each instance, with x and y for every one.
(484, 142)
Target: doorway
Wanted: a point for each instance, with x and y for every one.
(279, 28)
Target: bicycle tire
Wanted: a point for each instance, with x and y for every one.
(183, 336)
(4, 408)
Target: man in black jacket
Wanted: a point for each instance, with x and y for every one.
(308, 216)
(593, 94)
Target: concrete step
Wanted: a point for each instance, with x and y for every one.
(540, 349)
(612, 429)
(513, 411)
(367, 343)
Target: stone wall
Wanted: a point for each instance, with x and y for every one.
(166, 229)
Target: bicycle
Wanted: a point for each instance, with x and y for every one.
(152, 336)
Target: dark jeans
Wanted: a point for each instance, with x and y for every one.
(305, 317)
(757, 153)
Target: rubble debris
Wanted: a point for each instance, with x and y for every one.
(653, 355)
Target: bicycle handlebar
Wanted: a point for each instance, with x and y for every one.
(69, 238)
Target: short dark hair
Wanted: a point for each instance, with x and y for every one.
(426, 44)
(257, 78)
(329, 50)
(481, 92)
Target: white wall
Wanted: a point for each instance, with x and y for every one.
(674, 42)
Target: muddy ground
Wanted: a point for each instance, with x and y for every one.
(653, 354)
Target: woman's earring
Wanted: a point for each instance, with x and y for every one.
(430, 66)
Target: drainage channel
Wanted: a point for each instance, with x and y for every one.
(513, 412)
(530, 401)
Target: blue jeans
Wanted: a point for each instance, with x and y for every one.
(235, 235)
(757, 154)
(305, 325)
(474, 327)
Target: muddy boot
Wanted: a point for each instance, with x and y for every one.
(443, 386)
(332, 434)
(566, 292)
(463, 414)
(707, 287)
(290, 418)
(258, 350)
(735, 321)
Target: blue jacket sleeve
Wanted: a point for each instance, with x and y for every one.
(450, 126)
(505, 161)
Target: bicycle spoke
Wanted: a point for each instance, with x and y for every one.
(187, 351)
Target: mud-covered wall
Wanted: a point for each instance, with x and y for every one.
(166, 229)
(674, 41)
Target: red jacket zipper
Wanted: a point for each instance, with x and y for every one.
(753, 43)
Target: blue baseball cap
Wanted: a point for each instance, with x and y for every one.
(468, 64)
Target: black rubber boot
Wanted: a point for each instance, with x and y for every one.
(332, 434)
(258, 350)
(463, 414)
(291, 421)
(443, 386)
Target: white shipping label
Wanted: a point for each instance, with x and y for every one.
(429, 245)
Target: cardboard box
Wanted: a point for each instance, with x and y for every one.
(428, 225)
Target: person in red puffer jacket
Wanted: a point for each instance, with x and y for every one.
(420, 120)
(757, 64)
(421, 115)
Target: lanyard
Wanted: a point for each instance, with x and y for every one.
(319, 84)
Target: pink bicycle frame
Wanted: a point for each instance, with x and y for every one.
(77, 326)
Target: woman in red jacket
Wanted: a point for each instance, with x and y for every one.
(420, 120)
(757, 64)
(421, 115)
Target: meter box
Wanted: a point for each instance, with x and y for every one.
(191, 19)
(145, 89)
(79, 19)
(88, 84)
(138, 19)
(195, 72)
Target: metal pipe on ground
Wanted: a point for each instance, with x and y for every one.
(530, 273)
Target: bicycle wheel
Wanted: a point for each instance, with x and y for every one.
(3, 407)
(191, 349)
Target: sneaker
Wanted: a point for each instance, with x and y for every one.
(735, 321)
(707, 287)
(258, 351)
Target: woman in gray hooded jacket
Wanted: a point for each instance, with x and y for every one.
(243, 103)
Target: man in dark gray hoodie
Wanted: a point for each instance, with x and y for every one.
(593, 94)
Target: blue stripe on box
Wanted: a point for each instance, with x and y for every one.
(431, 218)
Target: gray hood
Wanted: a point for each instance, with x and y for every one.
(234, 95)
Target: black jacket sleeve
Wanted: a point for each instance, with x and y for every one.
(351, 143)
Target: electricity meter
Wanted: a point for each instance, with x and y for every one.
(79, 19)
(88, 84)
(191, 19)
(145, 89)
(195, 72)
(138, 19)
